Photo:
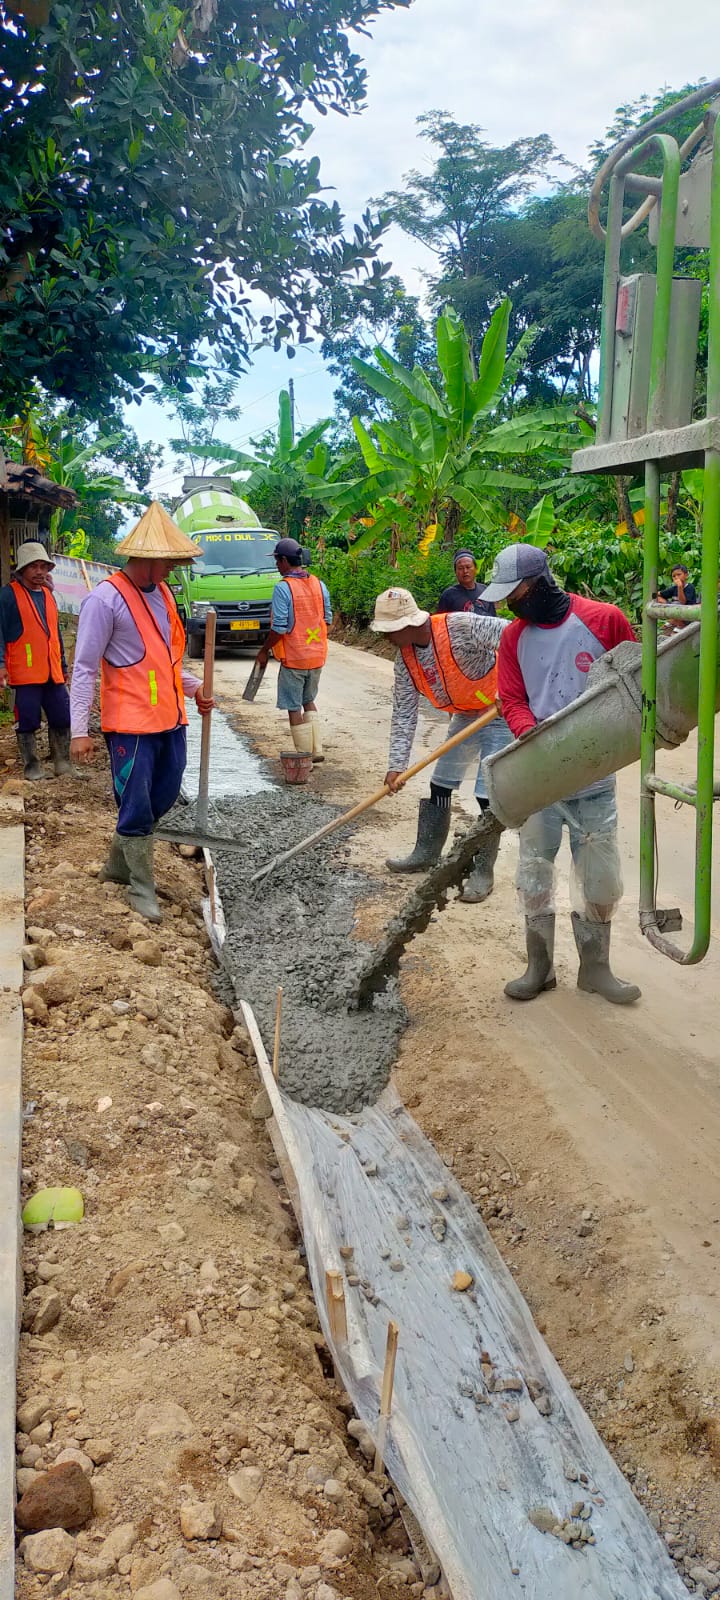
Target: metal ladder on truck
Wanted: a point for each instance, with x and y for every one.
(648, 356)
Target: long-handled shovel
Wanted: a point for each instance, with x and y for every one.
(372, 800)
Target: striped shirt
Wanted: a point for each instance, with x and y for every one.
(474, 641)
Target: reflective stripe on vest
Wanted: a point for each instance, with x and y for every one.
(305, 646)
(463, 693)
(146, 696)
(36, 656)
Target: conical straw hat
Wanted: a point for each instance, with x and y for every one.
(156, 537)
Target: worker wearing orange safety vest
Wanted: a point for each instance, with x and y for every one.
(130, 632)
(449, 660)
(32, 660)
(301, 615)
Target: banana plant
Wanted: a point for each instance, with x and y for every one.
(428, 465)
(287, 480)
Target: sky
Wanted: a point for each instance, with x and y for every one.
(559, 67)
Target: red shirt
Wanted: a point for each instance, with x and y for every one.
(543, 668)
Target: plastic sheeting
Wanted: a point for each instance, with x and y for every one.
(471, 1458)
(596, 875)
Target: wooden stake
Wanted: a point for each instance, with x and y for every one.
(276, 1045)
(386, 1393)
(337, 1314)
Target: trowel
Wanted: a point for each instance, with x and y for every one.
(254, 681)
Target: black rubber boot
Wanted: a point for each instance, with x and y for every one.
(59, 742)
(138, 853)
(592, 940)
(32, 768)
(479, 885)
(540, 975)
(116, 869)
(433, 829)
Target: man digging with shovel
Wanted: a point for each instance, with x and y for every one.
(450, 660)
(129, 630)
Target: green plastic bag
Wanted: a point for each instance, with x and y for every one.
(53, 1205)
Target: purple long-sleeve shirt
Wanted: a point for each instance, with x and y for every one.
(106, 628)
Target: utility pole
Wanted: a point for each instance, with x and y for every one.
(291, 392)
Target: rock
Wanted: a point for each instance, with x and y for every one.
(162, 1589)
(24, 1477)
(250, 1300)
(163, 1420)
(200, 1519)
(628, 1362)
(34, 1006)
(148, 951)
(193, 1324)
(325, 1592)
(208, 1271)
(335, 1546)
(302, 1441)
(55, 985)
(62, 1497)
(260, 1107)
(42, 1434)
(120, 1541)
(50, 1551)
(462, 1281)
(372, 1495)
(31, 1412)
(363, 1438)
(700, 1574)
(332, 1489)
(48, 1313)
(99, 1450)
(78, 1456)
(171, 1232)
(542, 1518)
(199, 1186)
(31, 1455)
(246, 1484)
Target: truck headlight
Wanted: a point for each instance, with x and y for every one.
(199, 608)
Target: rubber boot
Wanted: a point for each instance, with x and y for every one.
(302, 738)
(311, 719)
(138, 853)
(116, 869)
(481, 881)
(32, 768)
(59, 742)
(540, 974)
(433, 829)
(592, 940)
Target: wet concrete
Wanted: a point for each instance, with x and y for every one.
(234, 769)
(297, 929)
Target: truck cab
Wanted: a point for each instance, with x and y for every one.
(236, 572)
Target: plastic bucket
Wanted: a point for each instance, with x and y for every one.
(296, 767)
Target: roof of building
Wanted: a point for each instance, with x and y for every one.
(19, 479)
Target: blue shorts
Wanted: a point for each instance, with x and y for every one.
(147, 771)
(451, 768)
(296, 687)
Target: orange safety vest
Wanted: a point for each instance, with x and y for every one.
(36, 656)
(146, 696)
(465, 694)
(305, 646)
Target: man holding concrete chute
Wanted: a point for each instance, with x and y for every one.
(300, 618)
(543, 662)
(32, 660)
(450, 660)
(130, 631)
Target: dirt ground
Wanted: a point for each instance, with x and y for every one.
(587, 1135)
(171, 1343)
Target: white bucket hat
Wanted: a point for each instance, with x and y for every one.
(396, 609)
(31, 551)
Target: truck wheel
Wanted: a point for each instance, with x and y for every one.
(196, 646)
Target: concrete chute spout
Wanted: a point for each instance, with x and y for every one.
(600, 732)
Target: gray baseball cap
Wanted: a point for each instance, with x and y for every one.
(510, 568)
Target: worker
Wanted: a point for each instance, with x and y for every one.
(130, 632)
(543, 662)
(450, 660)
(32, 660)
(465, 594)
(300, 618)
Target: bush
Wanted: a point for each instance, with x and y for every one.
(355, 581)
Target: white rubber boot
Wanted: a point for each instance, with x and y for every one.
(302, 738)
(312, 720)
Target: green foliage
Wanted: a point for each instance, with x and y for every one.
(285, 479)
(199, 414)
(153, 174)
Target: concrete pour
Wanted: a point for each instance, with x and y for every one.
(297, 929)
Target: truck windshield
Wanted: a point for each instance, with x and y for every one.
(244, 550)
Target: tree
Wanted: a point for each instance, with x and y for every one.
(154, 189)
(284, 480)
(356, 318)
(199, 414)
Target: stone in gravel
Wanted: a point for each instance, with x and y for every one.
(628, 1362)
(543, 1405)
(62, 1497)
(120, 1541)
(332, 1489)
(208, 1271)
(34, 1006)
(55, 985)
(148, 951)
(542, 1518)
(72, 1453)
(335, 1546)
(171, 1232)
(397, 1266)
(193, 1324)
(99, 1450)
(246, 1484)
(325, 1592)
(162, 1589)
(48, 1312)
(24, 1477)
(163, 1420)
(200, 1519)
(260, 1107)
(31, 1455)
(250, 1300)
(700, 1574)
(50, 1551)
(302, 1441)
(462, 1281)
(363, 1438)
